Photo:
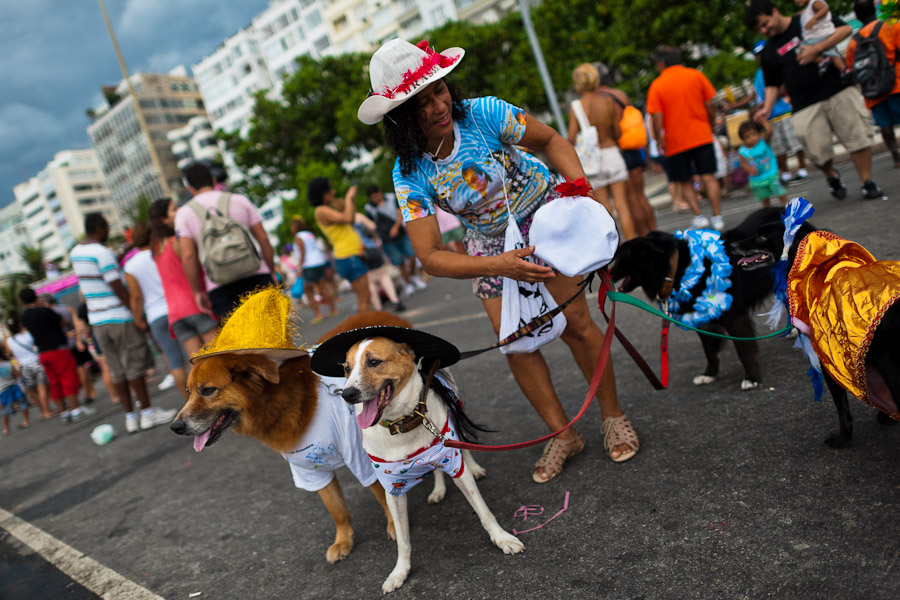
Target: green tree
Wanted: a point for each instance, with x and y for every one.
(313, 123)
(142, 209)
(9, 294)
(34, 258)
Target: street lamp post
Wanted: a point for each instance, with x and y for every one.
(137, 105)
(542, 66)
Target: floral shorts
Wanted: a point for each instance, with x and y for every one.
(479, 244)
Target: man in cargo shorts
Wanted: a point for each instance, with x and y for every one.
(122, 343)
(824, 104)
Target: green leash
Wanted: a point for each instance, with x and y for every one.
(622, 297)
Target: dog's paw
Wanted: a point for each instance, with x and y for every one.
(837, 441)
(437, 495)
(478, 471)
(507, 542)
(703, 379)
(749, 384)
(395, 579)
(884, 419)
(338, 551)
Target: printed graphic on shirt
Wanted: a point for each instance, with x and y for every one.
(469, 183)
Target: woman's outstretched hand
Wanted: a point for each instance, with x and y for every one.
(512, 264)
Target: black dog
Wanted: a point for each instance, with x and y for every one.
(647, 262)
(760, 251)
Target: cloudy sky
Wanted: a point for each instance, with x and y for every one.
(55, 55)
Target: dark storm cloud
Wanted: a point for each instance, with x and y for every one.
(55, 55)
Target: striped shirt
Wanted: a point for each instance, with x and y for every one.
(96, 267)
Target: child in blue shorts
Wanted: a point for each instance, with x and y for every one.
(10, 393)
(759, 161)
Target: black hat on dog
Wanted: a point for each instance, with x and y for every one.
(328, 359)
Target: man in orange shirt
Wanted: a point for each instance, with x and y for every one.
(886, 110)
(680, 102)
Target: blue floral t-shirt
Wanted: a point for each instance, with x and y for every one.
(468, 183)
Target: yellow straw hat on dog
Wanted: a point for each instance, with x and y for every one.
(260, 325)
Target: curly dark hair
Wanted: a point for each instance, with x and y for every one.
(402, 132)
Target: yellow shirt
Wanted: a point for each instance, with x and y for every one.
(344, 240)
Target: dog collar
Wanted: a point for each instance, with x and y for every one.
(417, 416)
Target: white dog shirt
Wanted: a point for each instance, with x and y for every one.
(400, 476)
(331, 441)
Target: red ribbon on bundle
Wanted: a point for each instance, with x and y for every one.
(431, 60)
(579, 187)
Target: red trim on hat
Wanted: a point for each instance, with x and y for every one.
(411, 78)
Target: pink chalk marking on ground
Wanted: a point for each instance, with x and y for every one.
(532, 510)
(564, 509)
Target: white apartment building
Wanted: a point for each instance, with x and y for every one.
(228, 78)
(13, 235)
(194, 141)
(259, 56)
(53, 204)
(166, 101)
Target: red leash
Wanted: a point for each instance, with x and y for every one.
(658, 383)
(605, 286)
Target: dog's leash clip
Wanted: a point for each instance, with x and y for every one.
(434, 430)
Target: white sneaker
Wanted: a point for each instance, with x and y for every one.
(718, 223)
(409, 290)
(132, 423)
(166, 383)
(699, 222)
(420, 285)
(786, 177)
(802, 174)
(157, 416)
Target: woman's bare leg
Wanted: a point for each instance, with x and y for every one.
(619, 191)
(361, 289)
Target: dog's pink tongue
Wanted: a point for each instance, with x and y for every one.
(369, 414)
(200, 440)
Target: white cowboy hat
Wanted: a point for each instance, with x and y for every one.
(399, 70)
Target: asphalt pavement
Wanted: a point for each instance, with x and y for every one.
(733, 494)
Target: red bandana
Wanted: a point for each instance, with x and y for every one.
(579, 187)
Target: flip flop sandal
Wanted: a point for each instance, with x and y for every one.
(618, 431)
(556, 452)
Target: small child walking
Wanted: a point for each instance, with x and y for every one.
(10, 393)
(815, 21)
(758, 160)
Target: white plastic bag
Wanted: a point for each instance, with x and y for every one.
(523, 301)
(574, 234)
(587, 142)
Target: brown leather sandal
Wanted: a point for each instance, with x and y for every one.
(618, 431)
(556, 452)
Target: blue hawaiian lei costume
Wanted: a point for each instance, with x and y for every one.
(715, 299)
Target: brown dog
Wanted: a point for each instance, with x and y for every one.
(275, 404)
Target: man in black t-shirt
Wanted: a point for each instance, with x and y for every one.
(824, 105)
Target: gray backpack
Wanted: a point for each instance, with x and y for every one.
(226, 248)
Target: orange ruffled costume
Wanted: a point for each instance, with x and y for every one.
(838, 294)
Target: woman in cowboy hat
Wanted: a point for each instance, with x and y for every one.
(437, 136)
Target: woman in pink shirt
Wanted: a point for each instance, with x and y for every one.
(191, 326)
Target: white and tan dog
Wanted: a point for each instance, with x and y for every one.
(385, 385)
